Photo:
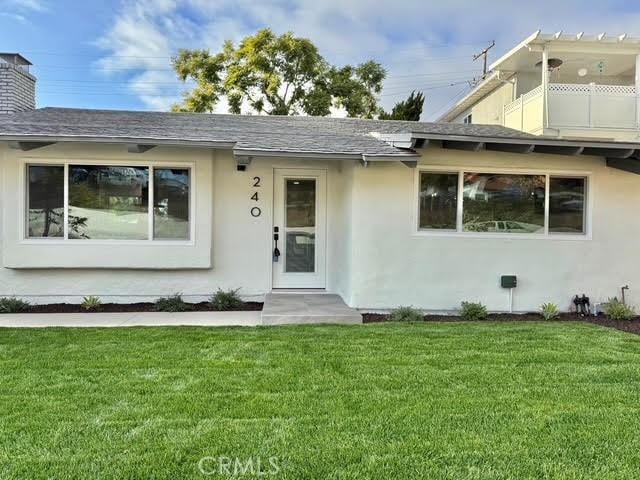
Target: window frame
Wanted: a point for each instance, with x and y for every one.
(459, 231)
(23, 218)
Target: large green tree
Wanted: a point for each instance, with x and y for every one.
(409, 109)
(277, 75)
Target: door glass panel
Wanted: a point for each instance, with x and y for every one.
(300, 225)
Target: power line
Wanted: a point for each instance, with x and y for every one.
(394, 79)
(178, 94)
(425, 89)
(391, 49)
(451, 101)
(132, 68)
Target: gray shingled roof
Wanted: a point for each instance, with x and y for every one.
(312, 135)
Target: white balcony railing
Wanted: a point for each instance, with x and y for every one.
(579, 106)
(525, 113)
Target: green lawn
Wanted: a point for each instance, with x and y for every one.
(388, 401)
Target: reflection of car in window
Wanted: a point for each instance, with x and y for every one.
(506, 226)
(572, 201)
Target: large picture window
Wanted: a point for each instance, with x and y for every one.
(108, 202)
(502, 203)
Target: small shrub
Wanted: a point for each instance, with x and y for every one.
(549, 311)
(471, 311)
(616, 310)
(225, 300)
(13, 305)
(91, 303)
(406, 314)
(174, 303)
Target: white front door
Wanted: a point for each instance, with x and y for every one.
(299, 224)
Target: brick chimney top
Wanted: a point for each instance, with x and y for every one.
(17, 84)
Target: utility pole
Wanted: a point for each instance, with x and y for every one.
(483, 54)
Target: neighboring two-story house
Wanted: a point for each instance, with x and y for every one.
(569, 86)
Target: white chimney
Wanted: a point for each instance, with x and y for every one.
(17, 85)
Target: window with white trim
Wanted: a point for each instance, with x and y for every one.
(108, 202)
(479, 202)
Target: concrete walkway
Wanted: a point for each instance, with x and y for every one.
(279, 309)
(307, 308)
(131, 319)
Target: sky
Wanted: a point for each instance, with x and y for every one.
(117, 54)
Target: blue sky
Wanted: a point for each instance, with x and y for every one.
(116, 54)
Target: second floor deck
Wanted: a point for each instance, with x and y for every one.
(585, 109)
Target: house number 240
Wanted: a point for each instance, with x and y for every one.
(256, 211)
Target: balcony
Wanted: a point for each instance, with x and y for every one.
(606, 111)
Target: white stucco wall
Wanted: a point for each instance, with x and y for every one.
(376, 258)
(490, 109)
(395, 265)
(239, 244)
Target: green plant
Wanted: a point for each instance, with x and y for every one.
(471, 311)
(174, 303)
(91, 303)
(549, 311)
(616, 310)
(225, 299)
(13, 305)
(406, 314)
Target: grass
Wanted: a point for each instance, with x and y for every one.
(523, 400)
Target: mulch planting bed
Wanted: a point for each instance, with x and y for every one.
(494, 317)
(131, 307)
(631, 326)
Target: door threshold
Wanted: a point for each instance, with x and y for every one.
(319, 291)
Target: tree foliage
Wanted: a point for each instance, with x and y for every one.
(277, 75)
(409, 109)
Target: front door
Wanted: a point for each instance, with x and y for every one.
(299, 222)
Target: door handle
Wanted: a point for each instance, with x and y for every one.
(276, 250)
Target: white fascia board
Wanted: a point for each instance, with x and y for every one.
(528, 141)
(523, 44)
(117, 140)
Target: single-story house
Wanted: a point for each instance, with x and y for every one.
(131, 206)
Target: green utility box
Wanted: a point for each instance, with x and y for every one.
(508, 281)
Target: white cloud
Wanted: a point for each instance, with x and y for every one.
(424, 45)
(33, 5)
(14, 16)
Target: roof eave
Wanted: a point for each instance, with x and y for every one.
(170, 142)
(537, 144)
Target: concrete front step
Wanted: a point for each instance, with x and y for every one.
(307, 308)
